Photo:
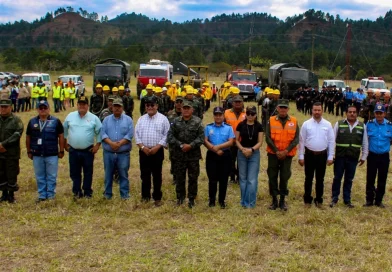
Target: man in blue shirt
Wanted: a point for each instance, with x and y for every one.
(117, 134)
(348, 98)
(379, 131)
(218, 138)
(359, 96)
(83, 139)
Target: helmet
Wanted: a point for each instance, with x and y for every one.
(206, 84)
(168, 83)
(150, 87)
(189, 90)
(276, 91)
(98, 86)
(157, 89)
(115, 89)
(121, 88)
(106, 88)
(234, 90)
(174, 85)
(227, 84)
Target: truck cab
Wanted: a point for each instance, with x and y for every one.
(377, 84)
(244, 80)
(154, 72)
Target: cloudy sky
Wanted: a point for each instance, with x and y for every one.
(182, 10)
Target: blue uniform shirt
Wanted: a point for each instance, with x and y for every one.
(117, 129)
(379, 135)
(218, 134)
(348, 95)
(359, 97)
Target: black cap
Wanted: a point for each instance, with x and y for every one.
(83, 99)
(151, 99)
(218, 110)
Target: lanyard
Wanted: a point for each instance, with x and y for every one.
(42, 126)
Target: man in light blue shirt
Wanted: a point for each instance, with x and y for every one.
(379, 131)
(117, 134)
(82, 140)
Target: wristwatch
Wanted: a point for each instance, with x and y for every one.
(181, 146)
(142, 147)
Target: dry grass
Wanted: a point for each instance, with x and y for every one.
(98, 235)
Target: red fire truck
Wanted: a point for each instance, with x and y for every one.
(156, 72)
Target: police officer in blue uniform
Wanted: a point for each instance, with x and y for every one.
(380, 135)
(218, 138)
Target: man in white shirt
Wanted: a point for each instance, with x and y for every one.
(316, 150)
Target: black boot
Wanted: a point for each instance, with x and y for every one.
(282, 204)
(191, 203)
(274, 204)
(4, 197)
(11, 197)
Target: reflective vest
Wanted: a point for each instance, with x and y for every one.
(66, 92)
(34, 92)
(283, 136)
(72, 93)
(61, 94)
(56, 91)
(348, 144)
(42, 92)
(232, 120)
(48, 136)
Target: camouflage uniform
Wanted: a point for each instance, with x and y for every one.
(167, 104)
(105, 113)
(128, 105)
(272, 107)
(98, 103)
(11, 129)
(186, 132)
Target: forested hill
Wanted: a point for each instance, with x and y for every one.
(223, 38)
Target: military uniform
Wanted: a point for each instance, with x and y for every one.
(11, 129)
(339, 102)
(197, 107)
(167, 104)
(98, 103)
(186, 132)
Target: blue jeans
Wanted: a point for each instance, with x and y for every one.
(343, 166)
(248, 175)
(119, 161)
(45, 169)
(78, 160)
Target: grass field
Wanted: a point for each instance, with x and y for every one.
(98, 235)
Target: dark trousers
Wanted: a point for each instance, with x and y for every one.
(278, 168)
(377, 164)
(9, 171)
(330, 107)
(217, 171)
(28, 103)
(234, 167)
(340, 106)
(348, 102)
(180, 168)
(57, 104)
(151, 166)
(72, 102)
(358, 106)
(343, 166)
(314, 164)
(81, 160)
(14, 105)
(21, 104)
(208, 103)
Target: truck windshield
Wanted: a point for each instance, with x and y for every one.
(243, 76)
(376, 85)
(152, 73)
(108, 71)
(30, 79)
(297, 75)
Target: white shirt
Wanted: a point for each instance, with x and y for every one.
(317, 136)
(365, 143)
(151, 131)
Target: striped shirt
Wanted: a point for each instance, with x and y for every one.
(152, 130)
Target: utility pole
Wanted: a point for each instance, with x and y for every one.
(250, 41)
(312, 61)
(348, 53)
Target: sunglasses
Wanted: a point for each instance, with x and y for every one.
(150, 105)
(250, 113)
(42, 108)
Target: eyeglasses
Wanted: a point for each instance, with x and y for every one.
(150, 105)
(42, 108)
(250, 113)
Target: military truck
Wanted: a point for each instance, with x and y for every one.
(288, 77)
(111, 72)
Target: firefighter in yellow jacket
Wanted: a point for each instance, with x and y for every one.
(282, 137)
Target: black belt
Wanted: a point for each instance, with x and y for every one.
(85, 149)
(376, 154)
(307, 150)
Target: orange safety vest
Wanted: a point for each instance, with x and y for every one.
(232, 120)
(282, 136)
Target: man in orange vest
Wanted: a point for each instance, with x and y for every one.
(282, 137)
(233, 117)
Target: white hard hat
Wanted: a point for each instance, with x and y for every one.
(177, 81)
(164, 89)
(213, 83)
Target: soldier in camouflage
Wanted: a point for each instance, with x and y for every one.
(127, 101)
(197, 107)
(109, 110)
(167, 104)
(185, 137)
(11, 129)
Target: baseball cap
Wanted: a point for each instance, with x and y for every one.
(238, 98)
(118, 101)
(180, 98)
(43, 103)
(5, 102)
(151, 99)
(283, 103)
(187, 104)
(379, 108)
(83, 99)
(218, 110)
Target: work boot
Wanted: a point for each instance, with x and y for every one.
(282, 204)
(4, 197)
(180, 201)
(11, 197)
(191, 203)
(274, 204)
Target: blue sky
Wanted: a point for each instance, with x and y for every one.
(182, 10)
